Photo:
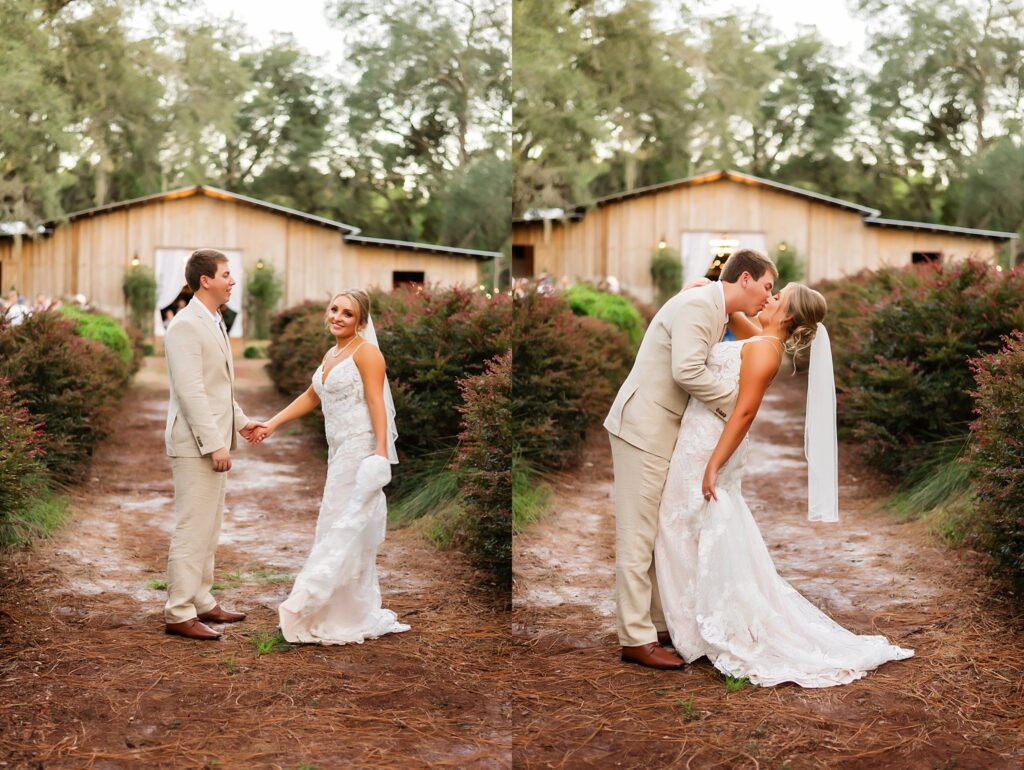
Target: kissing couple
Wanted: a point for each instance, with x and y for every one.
(692, 571)
(336, 596)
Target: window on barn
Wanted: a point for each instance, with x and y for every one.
(920, 257)
(522, 261)
(401, 278)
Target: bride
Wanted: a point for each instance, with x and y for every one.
(722, 596)
(336, 597)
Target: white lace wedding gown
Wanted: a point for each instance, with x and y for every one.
(336, 597)
(719, 589)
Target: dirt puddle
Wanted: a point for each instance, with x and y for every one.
(89, 679)
(577, 706)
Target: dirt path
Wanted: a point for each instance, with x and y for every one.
(959, 703)
(88, 679)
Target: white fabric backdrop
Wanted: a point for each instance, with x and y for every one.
(170, 278)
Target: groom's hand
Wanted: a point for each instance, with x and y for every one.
(221, 460)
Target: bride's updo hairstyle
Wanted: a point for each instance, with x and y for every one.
(360, 297)
(808, 310)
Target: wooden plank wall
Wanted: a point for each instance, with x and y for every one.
(90, 255)
(619, 238)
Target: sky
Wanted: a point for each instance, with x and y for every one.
(306, 20)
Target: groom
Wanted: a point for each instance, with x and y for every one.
(643, 423)
(202, 420)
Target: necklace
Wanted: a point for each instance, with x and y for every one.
(335, 355)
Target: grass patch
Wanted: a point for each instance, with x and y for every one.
(156, 584)
(443, 526)
(46, 513)
(685, 708)
(941, 492)
(268, 642)
(266, 576)
(230, 666)
(735, 684)
(934, 483)
(236, 578)
(529, 496)
(431, 486)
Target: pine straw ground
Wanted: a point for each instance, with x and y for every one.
(959, 703)
(88, 679)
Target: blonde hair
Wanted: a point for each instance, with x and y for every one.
(360, 297)
(808, 308)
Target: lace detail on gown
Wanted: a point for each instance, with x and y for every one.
(336, 597)
(719, 589)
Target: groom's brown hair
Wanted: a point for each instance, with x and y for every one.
(747, 261)
(202, 262)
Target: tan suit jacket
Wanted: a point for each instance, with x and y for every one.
(203, 415)
(670, 367)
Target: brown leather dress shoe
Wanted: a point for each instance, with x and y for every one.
(192, 629)
(651, 655)
(220, 615)
(664, 638)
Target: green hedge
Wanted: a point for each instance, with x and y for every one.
(584, 299)
(103, 329)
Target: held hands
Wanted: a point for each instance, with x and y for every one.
(261, 432)
(707, 486)
(255, 432)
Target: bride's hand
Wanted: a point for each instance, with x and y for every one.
(709, 483)
(261, 432)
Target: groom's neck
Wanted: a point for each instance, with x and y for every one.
(208, 302)
(733, 297)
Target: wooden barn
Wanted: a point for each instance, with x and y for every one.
(90, 251)
(709, 216)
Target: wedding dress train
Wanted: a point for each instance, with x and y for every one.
(336, 597)
(720, 592)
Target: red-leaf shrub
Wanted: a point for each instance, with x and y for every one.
(566, 370)
(997, 454)
(68, 384)
(430, 339)
(22, 470)
(902, 341)
(484, 466)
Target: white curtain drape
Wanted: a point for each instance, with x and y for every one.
(170, 278)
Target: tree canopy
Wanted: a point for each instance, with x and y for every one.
(115, 99)
(609, 97)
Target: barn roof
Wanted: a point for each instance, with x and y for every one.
(350, 233)
(906, 225)
(871, 216)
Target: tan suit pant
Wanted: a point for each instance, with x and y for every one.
(639, 482)
(199, 508)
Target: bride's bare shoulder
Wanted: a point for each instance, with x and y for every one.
(760, 358)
